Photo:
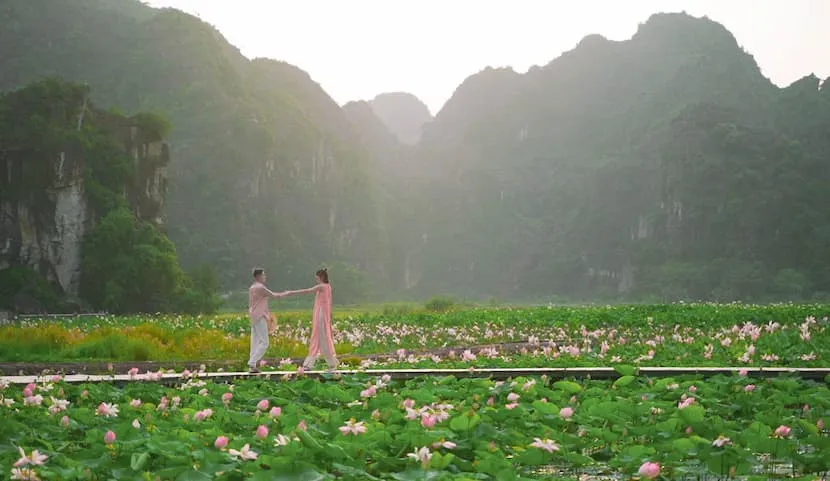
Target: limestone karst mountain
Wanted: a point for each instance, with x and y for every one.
(665, 166)
(267, 170)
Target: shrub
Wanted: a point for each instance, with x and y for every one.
(154, 126)
(440, 304)
(19, 281)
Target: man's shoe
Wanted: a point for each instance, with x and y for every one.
(253, 370)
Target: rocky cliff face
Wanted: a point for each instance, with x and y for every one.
(45, 210)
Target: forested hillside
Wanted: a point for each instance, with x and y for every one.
(268, 170)
(665, 166)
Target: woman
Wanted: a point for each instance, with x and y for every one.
(322, 341)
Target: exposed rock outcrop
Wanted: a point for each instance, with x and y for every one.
(45, 210)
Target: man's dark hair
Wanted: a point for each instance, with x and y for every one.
(258, 271)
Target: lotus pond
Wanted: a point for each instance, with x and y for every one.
(364, 428)
(678, 335)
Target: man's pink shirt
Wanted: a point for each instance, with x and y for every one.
(258, 296)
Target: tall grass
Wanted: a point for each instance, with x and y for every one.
(144, 342)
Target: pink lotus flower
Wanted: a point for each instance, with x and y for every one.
(24, 474)
(135, 403)
(512, 397)
(566, 412)
(136, 424)
(245, 453)
(721, 441)
(221, 442)
(491, 401)
(65, 421)
(202, 415)
(107, 410)
(275, 412)
(302, 425)
(109, 438)
(428, 421)
(421, 455)
(649, 470)
(743, 372)
(133, 372)
(511, 406)
(58, 405)
(545, 445)
(263, 405)
(27, 392)
(468, 356)
(84, 394)
(261, 432)
(56, 378)
(376, 414)
(749, 388)
(282, 440)
(352, 427)
(820, 424)
(689, 430)
(369, 392)
(782, 431)
(685, 403)
(35, 459)
(443, 444)
(692, 389)
(409, 403)
(226, 398)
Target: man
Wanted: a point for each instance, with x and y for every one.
(259, 315)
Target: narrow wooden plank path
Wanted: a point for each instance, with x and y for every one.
(122, 367)
(495, 373)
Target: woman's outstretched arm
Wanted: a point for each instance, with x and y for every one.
(301, 291)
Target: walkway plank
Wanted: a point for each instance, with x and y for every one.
(495, 373)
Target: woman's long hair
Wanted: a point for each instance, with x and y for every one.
(323, 274)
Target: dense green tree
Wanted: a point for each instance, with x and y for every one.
(129, 266)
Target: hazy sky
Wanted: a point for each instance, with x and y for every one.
(358, 48)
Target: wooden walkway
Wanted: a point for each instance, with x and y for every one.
(122, 367)
(494, 373)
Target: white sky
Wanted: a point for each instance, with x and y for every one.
(357, 49)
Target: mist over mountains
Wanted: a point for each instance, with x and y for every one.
(664, 167)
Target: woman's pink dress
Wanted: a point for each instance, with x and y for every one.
(322, 317)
